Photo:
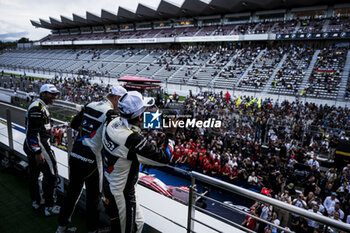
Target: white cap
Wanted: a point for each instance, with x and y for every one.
(133, 104)
(49, 88)
(118, 90)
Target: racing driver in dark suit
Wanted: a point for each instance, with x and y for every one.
(37, 147)
(85, 161)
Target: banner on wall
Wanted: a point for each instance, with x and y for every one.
(310, 36)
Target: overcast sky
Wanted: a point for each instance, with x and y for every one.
(15, 14)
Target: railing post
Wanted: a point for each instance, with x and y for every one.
(7, 161)
(9, 128)
(70, 140)
(191, 199)
(69, 143)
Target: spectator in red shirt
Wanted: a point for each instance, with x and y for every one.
(234, 173)
(216, 169)
(216, 157)
(209, 156)
(203, 150)
(179, 145)
(192, 159)
(176, 156)
(207, 167)
(199, 160)
(202, 161)
(250, 222)
(191, 144)
(188, 151)
(198, 144)
(184, 158)
(226, 170)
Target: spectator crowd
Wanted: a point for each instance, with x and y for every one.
(262, 144)
(273, 148)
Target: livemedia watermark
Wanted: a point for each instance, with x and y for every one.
(157, 120)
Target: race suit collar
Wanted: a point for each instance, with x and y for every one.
(110, 103)
(132, 128)
(135, 128)
(42, 102)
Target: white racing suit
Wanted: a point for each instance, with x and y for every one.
(124, 150)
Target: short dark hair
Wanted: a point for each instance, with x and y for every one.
(133, 121)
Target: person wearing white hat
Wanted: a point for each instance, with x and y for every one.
(37, 147)
(85, 161)
(124, 148)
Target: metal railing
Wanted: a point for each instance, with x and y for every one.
(58, 102)
(194, 197)
(259, 197)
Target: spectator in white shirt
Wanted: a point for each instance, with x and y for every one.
(337, 218)
(253, 179)
(344, 188)
(292, 161)
(266, 211)
(334, 209)
(285, 197)
(233, 162)
(299, 202)
(273, 137)
(275, 221)
(320, 205)
(314, 163)
(330, 201)
(331, 174)
(347, 167)
(312, 223)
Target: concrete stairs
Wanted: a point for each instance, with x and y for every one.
(222, 69)
(251, 66)
(297, 27)
(308, 71)
(325, 26)
(267, 86)
(344, 78)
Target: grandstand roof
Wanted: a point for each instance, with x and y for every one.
(168, 10)
(109, 16)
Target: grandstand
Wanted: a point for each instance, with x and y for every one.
(286, 49)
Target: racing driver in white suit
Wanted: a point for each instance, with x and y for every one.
(124, 150)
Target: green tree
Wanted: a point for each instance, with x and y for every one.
(6, 45)
(23, 40)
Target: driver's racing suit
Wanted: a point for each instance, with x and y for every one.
(124, 150)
